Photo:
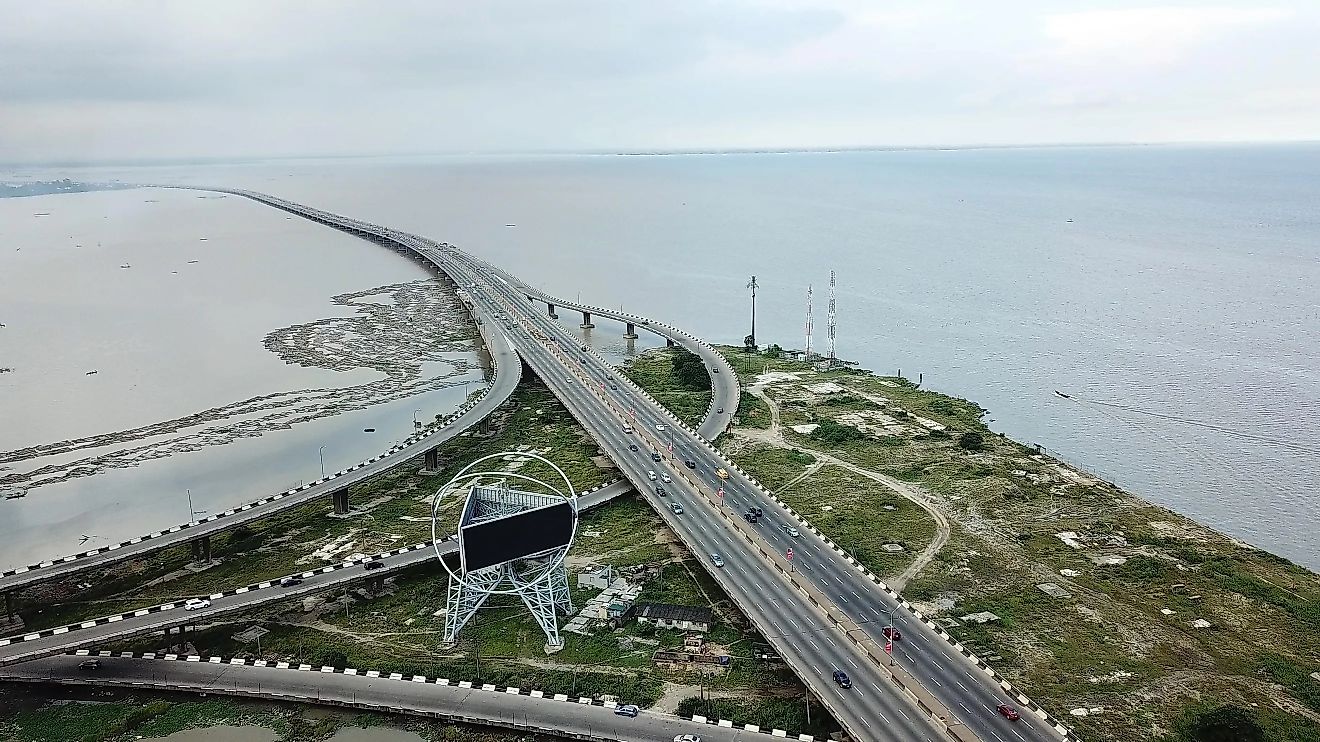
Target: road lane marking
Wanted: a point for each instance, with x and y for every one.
(960, 685)
(933, 680)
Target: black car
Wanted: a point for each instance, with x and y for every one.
(89, 665)
(660, 491)
(633, 447)
(690, 464)
(841, 678)
(759, 513)
(290, 581)
(374, 564)
(749, 517)
(655, 455)
(719, 410)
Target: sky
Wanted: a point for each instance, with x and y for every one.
(110, 80)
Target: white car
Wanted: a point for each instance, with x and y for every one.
(790, 530)
(650, 475)
(687, 738)
(665, 478)
(660, 427)
(196, 604)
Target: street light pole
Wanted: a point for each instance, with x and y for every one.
(192, 514)
(321, 455)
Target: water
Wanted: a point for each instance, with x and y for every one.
(170, 349)
(1185, 283)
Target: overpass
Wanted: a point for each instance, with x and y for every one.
(821, 612)
(523, 709)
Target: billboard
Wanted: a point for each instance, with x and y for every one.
(515, 536)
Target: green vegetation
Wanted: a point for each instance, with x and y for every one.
(828, 431)
(768, 713)
(677, 378)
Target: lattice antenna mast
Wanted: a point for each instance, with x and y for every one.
(830, 326)
(809, 322)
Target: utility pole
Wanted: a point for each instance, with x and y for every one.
(753, 286)
(809, 326)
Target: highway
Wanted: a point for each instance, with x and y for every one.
(820, 612)
(851, 601)
(508, 371)
(970, 696)
(101, 631)
(514, 708)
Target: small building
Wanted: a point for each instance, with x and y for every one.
(683, 617)
(596, 576)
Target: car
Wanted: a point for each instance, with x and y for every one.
(633, 447)
(892, 633)
(750, 517)
(627, 428)
(678, 509)
(717, 560)
(719, 410)
(89, 665)
(650, 475)
(687, 738)
(756, 509)
(722, 473)
(714, 369)
(660, 427)
(290, 581)
(655, 456)
(584, 349)
(1008, 712)
(665, 478)
(842, 679)
(194, 604)
(690, 464)
(374, 564)
(661, 491)
(614, 387)
(609, 378)
(627, 709)
(790, 530)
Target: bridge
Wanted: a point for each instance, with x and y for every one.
(820, 612)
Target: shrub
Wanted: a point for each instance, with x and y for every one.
(972, 441)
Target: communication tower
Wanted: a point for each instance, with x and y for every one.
(830, 320)
(810, 326)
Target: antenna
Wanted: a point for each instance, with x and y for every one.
(809, 324)
(830, 326)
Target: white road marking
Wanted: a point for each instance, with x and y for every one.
(933, 680)
(964, 708)
(905, 654)
(904, 713)
(960, 685)
(813, 643)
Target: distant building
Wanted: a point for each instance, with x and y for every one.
(682, 617)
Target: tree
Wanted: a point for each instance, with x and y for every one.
(1220, 724)
(832, 432)
(690, 371)
(749, 344)
(972, 441)
(774, 351)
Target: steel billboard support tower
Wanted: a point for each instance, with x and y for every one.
(829, 321)
(510, 542)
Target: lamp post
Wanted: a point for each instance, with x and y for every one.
(321, 455)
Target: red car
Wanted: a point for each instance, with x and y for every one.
(1008, 712)
(893, 633)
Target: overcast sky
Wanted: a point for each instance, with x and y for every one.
(218, 78)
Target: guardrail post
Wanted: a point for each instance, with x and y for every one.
(9, 605)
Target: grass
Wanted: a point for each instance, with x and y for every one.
(653, 371)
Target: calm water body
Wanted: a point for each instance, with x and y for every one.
(1180, 280)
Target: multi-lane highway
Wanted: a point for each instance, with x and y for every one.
(515, 708)
(820, 611)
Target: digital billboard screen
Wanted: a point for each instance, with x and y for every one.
(516, 536)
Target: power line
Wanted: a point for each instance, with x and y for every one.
(1195, 423)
